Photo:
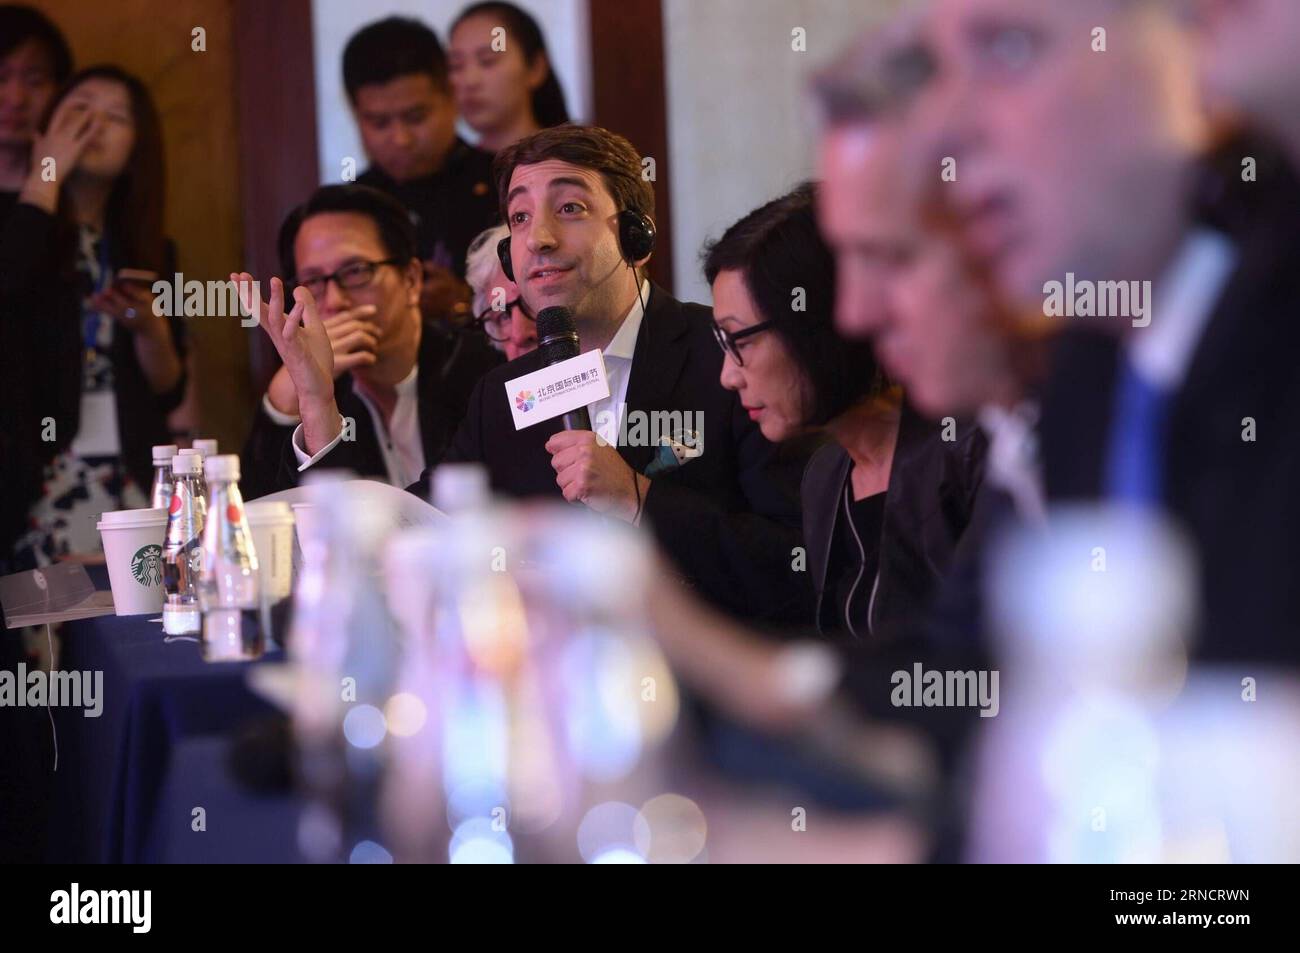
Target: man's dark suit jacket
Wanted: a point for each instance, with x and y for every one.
(1237, 498)
(450, 365)
(729, 518)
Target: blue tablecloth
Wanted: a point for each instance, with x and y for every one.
(238, 826)
(112, 770)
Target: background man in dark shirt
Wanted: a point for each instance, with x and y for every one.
(395, 73)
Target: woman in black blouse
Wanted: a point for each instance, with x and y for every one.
(102, 370)
(886, 499)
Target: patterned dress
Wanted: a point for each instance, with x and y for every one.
(79, 486)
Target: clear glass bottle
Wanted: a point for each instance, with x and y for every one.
(182, 547)
(228, 570)
(160, 493)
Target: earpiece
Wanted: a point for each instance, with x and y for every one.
(636, 240)
(503, 255)
(636, 236)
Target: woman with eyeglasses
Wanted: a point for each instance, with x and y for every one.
(887, 498)
(499, 309)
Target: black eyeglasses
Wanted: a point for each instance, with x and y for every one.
(730, 343)
(493, 321)
(358, 274)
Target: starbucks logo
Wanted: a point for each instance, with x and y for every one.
(146, 565)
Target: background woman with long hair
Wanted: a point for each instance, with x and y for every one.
(109, 367)
(501, 74)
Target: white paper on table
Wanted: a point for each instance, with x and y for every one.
(407, 508)
(57, 593)
(97, 603)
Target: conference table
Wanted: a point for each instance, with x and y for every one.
(157, 776)
(128, 782)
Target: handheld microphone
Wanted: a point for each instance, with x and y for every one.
(557, 340)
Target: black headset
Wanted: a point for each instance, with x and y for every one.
(636, 240)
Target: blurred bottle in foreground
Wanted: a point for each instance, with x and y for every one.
(531, 709)
(1106, 747)
(344, 644)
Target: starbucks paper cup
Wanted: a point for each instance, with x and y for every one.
(272, 527)
(133, 550)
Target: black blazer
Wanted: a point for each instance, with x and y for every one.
(1236, 498)
(729, 518)
(41, 359)
(450, 364)
(932, 490)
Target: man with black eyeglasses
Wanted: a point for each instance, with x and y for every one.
(402, 381)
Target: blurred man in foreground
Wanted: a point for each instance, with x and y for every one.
(1173, 385)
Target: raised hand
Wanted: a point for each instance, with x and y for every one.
(70, 130)
(304, 345)
(353, 336)
(299, 337)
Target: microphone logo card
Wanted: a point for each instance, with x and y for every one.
(557, 389)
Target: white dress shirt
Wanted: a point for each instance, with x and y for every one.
(1189, 289)
(399, 442)
(607, 415)
(1012, 463)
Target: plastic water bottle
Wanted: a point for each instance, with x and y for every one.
(206, 446)
(346, 646)
(228, 575)
(182, 547)
(194, 452)
(160, 494)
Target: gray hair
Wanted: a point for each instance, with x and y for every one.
(480, 261)
(875, 75)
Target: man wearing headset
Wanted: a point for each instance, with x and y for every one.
(721, 500)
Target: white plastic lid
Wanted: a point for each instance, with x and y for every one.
(205, 445)
(187, 462)
(190, 452)
(125, 518)
(222, 467)
(461, 486)
(268, 512)
(163, 453)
